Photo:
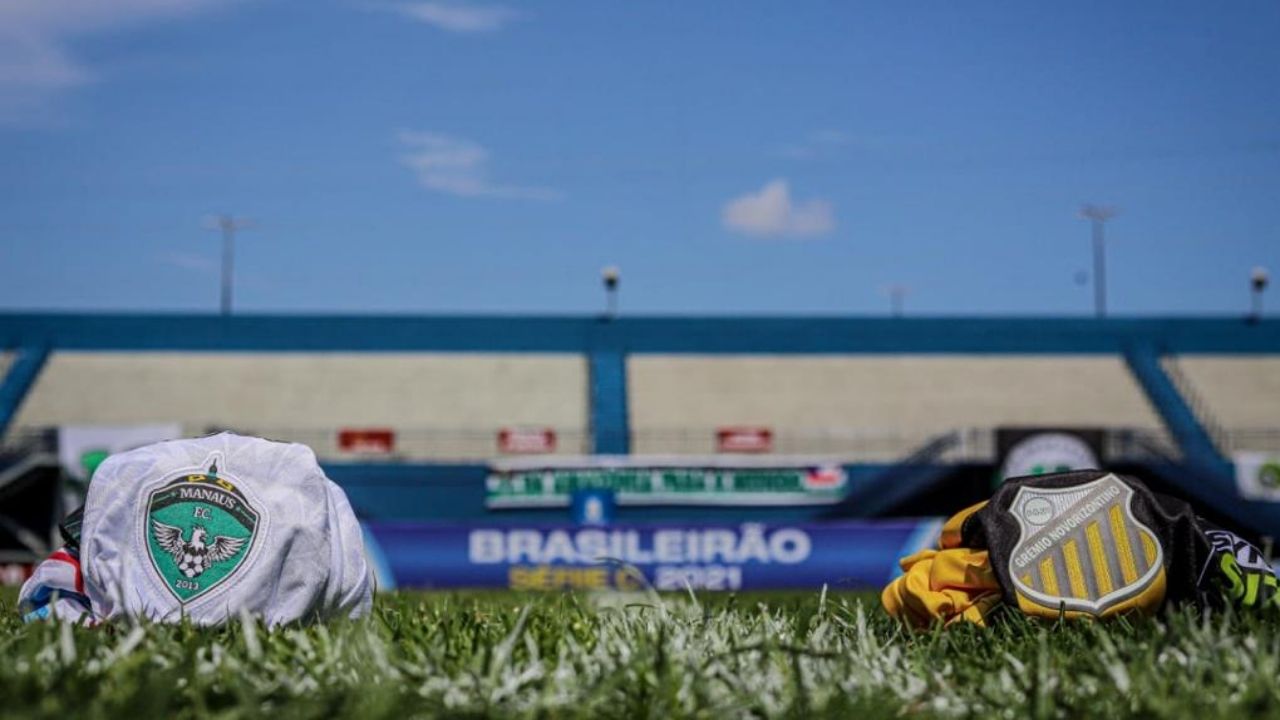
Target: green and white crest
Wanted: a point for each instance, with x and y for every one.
(199, 529)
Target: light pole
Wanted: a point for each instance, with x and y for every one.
(897, 299)
(228, 225)
(1258, 280)
(610, 275)
(1098, 215)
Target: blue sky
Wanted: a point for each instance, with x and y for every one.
(729, 157)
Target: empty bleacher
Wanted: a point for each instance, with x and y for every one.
(1238, 395)
(863, 388)
(441, 405)
(875, 407)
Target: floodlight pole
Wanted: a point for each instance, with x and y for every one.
(228, 225)
(610, 276)
(1098, 216)
(228, 259)
(897, 299)
(1258, 280)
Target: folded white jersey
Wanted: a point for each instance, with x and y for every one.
(212, 527)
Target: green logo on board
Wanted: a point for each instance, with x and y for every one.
(199, 531)
(1269, 475)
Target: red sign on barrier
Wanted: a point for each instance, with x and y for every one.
(367, 441)
(526, 441)
(15, 573)
(744, 440)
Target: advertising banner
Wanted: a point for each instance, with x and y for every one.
(367, 441)
(637, 480)
(81, 448)
(744, 440)
(1258, 475)
(844, 555)
(14, 574)
(1037, 451)
(526, 441)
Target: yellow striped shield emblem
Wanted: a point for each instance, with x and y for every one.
(1081, 550)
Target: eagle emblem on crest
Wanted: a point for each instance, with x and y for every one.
(199, 531)
(194, 556)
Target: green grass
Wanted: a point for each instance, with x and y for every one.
(581, 655)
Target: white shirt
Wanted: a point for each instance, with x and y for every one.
(215, 526)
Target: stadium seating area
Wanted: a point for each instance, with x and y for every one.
(442, 406)
(883, 406)
(451, 407)
(1239, 395)
(903, 407)
(868, 389)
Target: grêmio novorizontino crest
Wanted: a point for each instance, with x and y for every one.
(199, 530)
(1081, 548)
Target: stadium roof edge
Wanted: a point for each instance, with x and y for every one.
(636, 334)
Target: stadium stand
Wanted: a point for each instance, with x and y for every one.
(906, 403)
(1239, 395)
(876, 408)
(442, 406)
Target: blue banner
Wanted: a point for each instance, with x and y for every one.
(852, 555)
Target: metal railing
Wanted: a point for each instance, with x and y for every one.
(972, 444)
(1255, 439)
(846, 444)
(1199, 406)
(855, 444)
(411, 444)
(21, 443)
(1141, 445)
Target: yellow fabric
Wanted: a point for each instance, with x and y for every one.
(949, 585)
(955, 584)
(950, 536)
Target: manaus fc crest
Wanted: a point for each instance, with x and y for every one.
(199, 530)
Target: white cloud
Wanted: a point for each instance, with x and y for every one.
(36, 62)
(772, 213)
(459, 167)
(461, 17)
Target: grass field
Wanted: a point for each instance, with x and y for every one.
(642, 656)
